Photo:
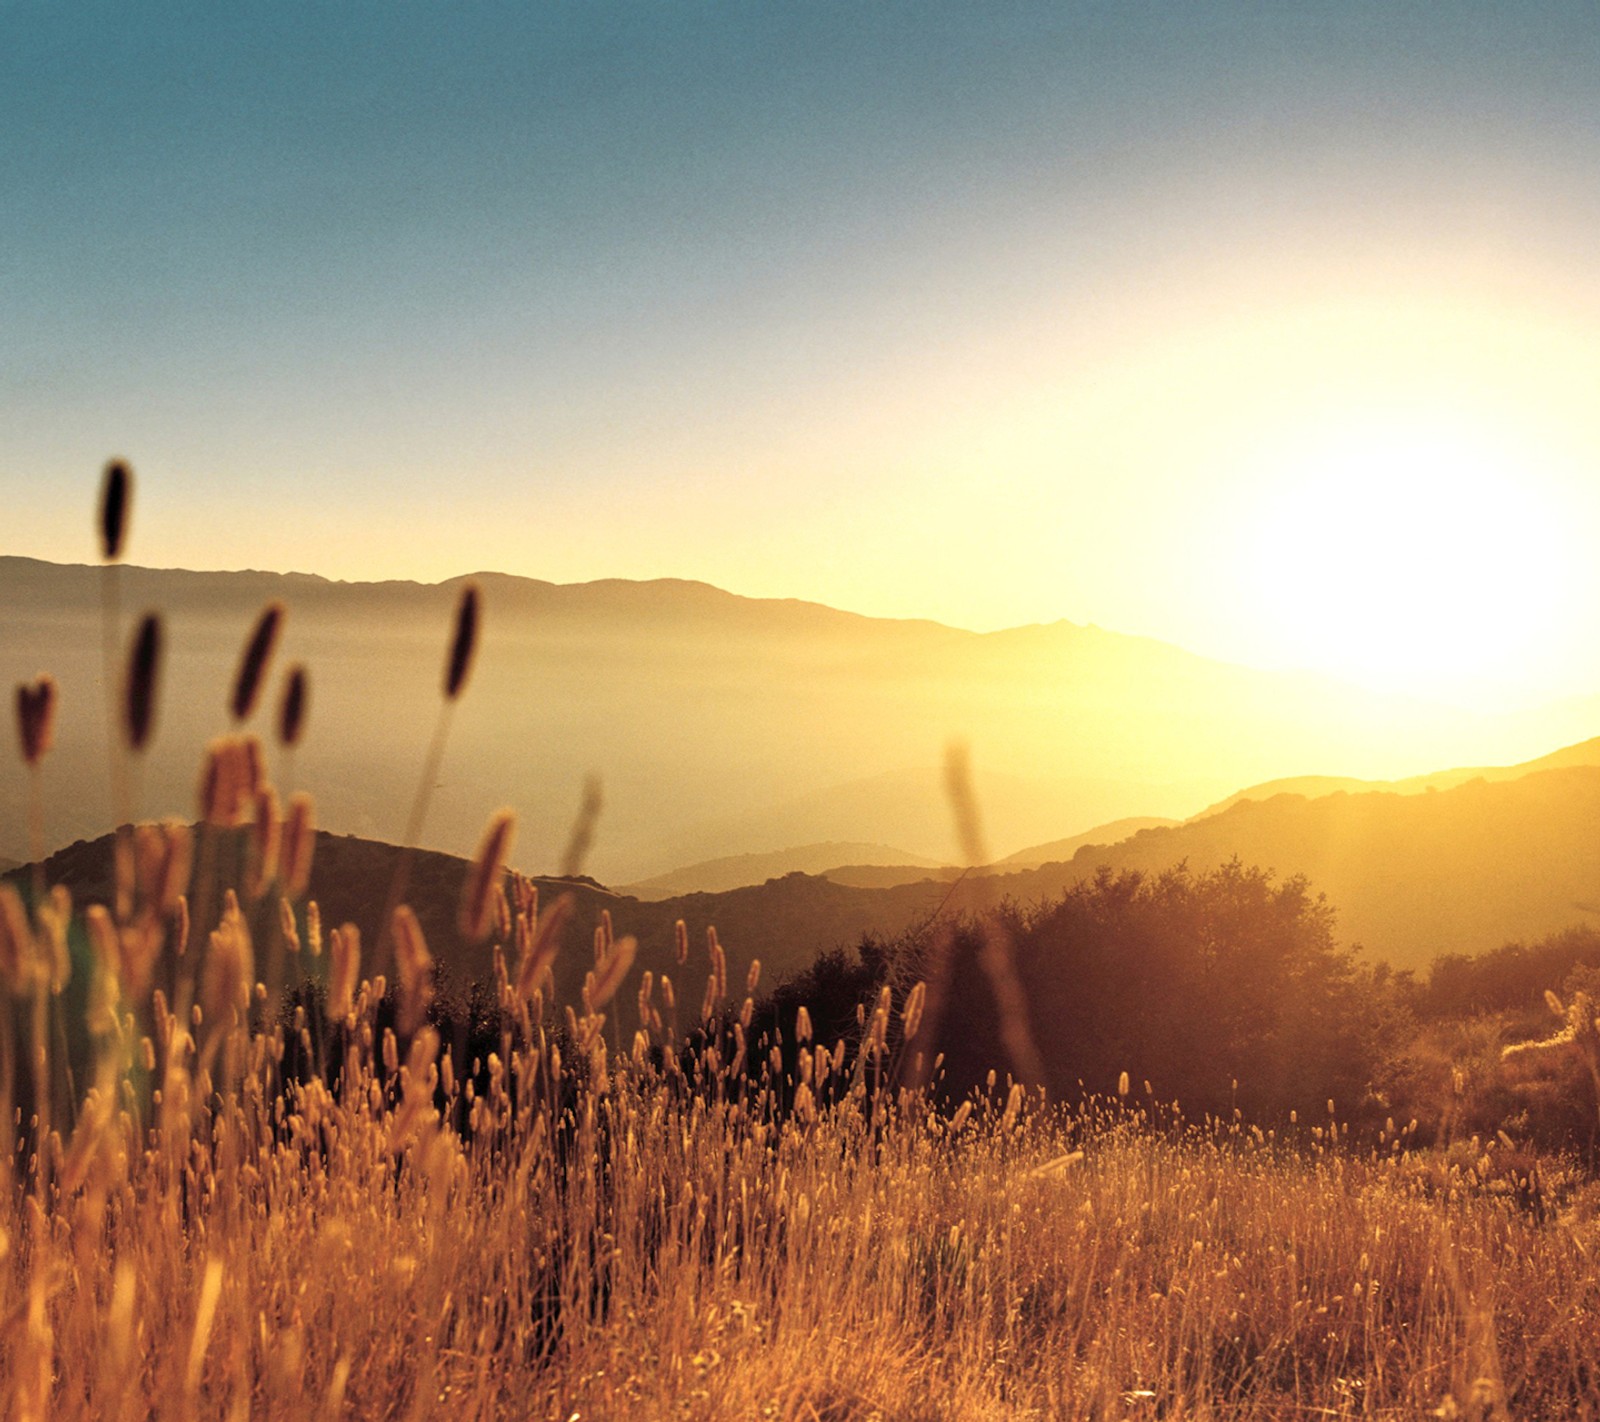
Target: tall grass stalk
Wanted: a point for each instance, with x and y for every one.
(457, 669)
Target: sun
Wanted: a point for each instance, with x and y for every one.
(1411, 553)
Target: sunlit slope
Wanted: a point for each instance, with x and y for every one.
(1312, 786)
(1411, 875)
(1063, 849)
(737, 870)
(720, 725)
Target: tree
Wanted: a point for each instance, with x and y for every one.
(1222, 988)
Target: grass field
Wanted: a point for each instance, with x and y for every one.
(643, 1248)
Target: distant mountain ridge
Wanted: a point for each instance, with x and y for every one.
(720, 725)
(865, 865)
(738, 870)
(1063, 849)
(1313, 786)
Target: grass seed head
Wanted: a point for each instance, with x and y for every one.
(299, 844)
(463, 644)
(477, 912)
(36, 717)
(610, 971)
(344, 971)
(265, 843)
(415, 964)
(232, 778)
(254, 660)
(911, 1014)
(292, 709)
(229, 968)
(162, 860)
(116, 490)
(546, 940)
(16, 940)
(139, 688)
(581, 839)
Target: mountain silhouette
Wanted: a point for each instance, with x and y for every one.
(738, 870)
(720, 725)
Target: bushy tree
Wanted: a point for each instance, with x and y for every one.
(1221, 989)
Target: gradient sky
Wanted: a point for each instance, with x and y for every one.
(1172, 318)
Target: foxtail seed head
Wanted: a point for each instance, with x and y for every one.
(483, 878)
(344, 947)
(416, 968)
(36, 717)
(265, 842)
(292, 710)
(463, 644)
(232, 778)
(541, 952)
(139, 690)
(253, 662)
(608, 974)
(116, 489)
(299, 844)
(581, 839)
(911, 1014)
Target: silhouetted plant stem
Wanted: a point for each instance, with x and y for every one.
(458, 667)
(36, 829)
(401, 879)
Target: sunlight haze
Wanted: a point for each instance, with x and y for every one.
(1268, 333)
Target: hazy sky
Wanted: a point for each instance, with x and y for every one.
(1267, 329)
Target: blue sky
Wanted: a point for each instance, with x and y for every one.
(873, 304)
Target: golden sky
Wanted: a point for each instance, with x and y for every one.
(1268, 331)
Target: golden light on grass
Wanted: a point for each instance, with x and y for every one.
(232, 777)
(415, 965)
(299, 844)
(477, 911)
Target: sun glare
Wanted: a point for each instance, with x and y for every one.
(1414, 555)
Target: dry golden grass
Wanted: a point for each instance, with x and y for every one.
(252, 1214)
(646, 1250)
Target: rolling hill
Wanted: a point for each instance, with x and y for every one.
(1410, 876)
(1314, 786)
(785, 922)
(737, 870)
(1062, 849)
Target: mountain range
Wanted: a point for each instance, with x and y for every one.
(1509, 854)
(719, 725)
